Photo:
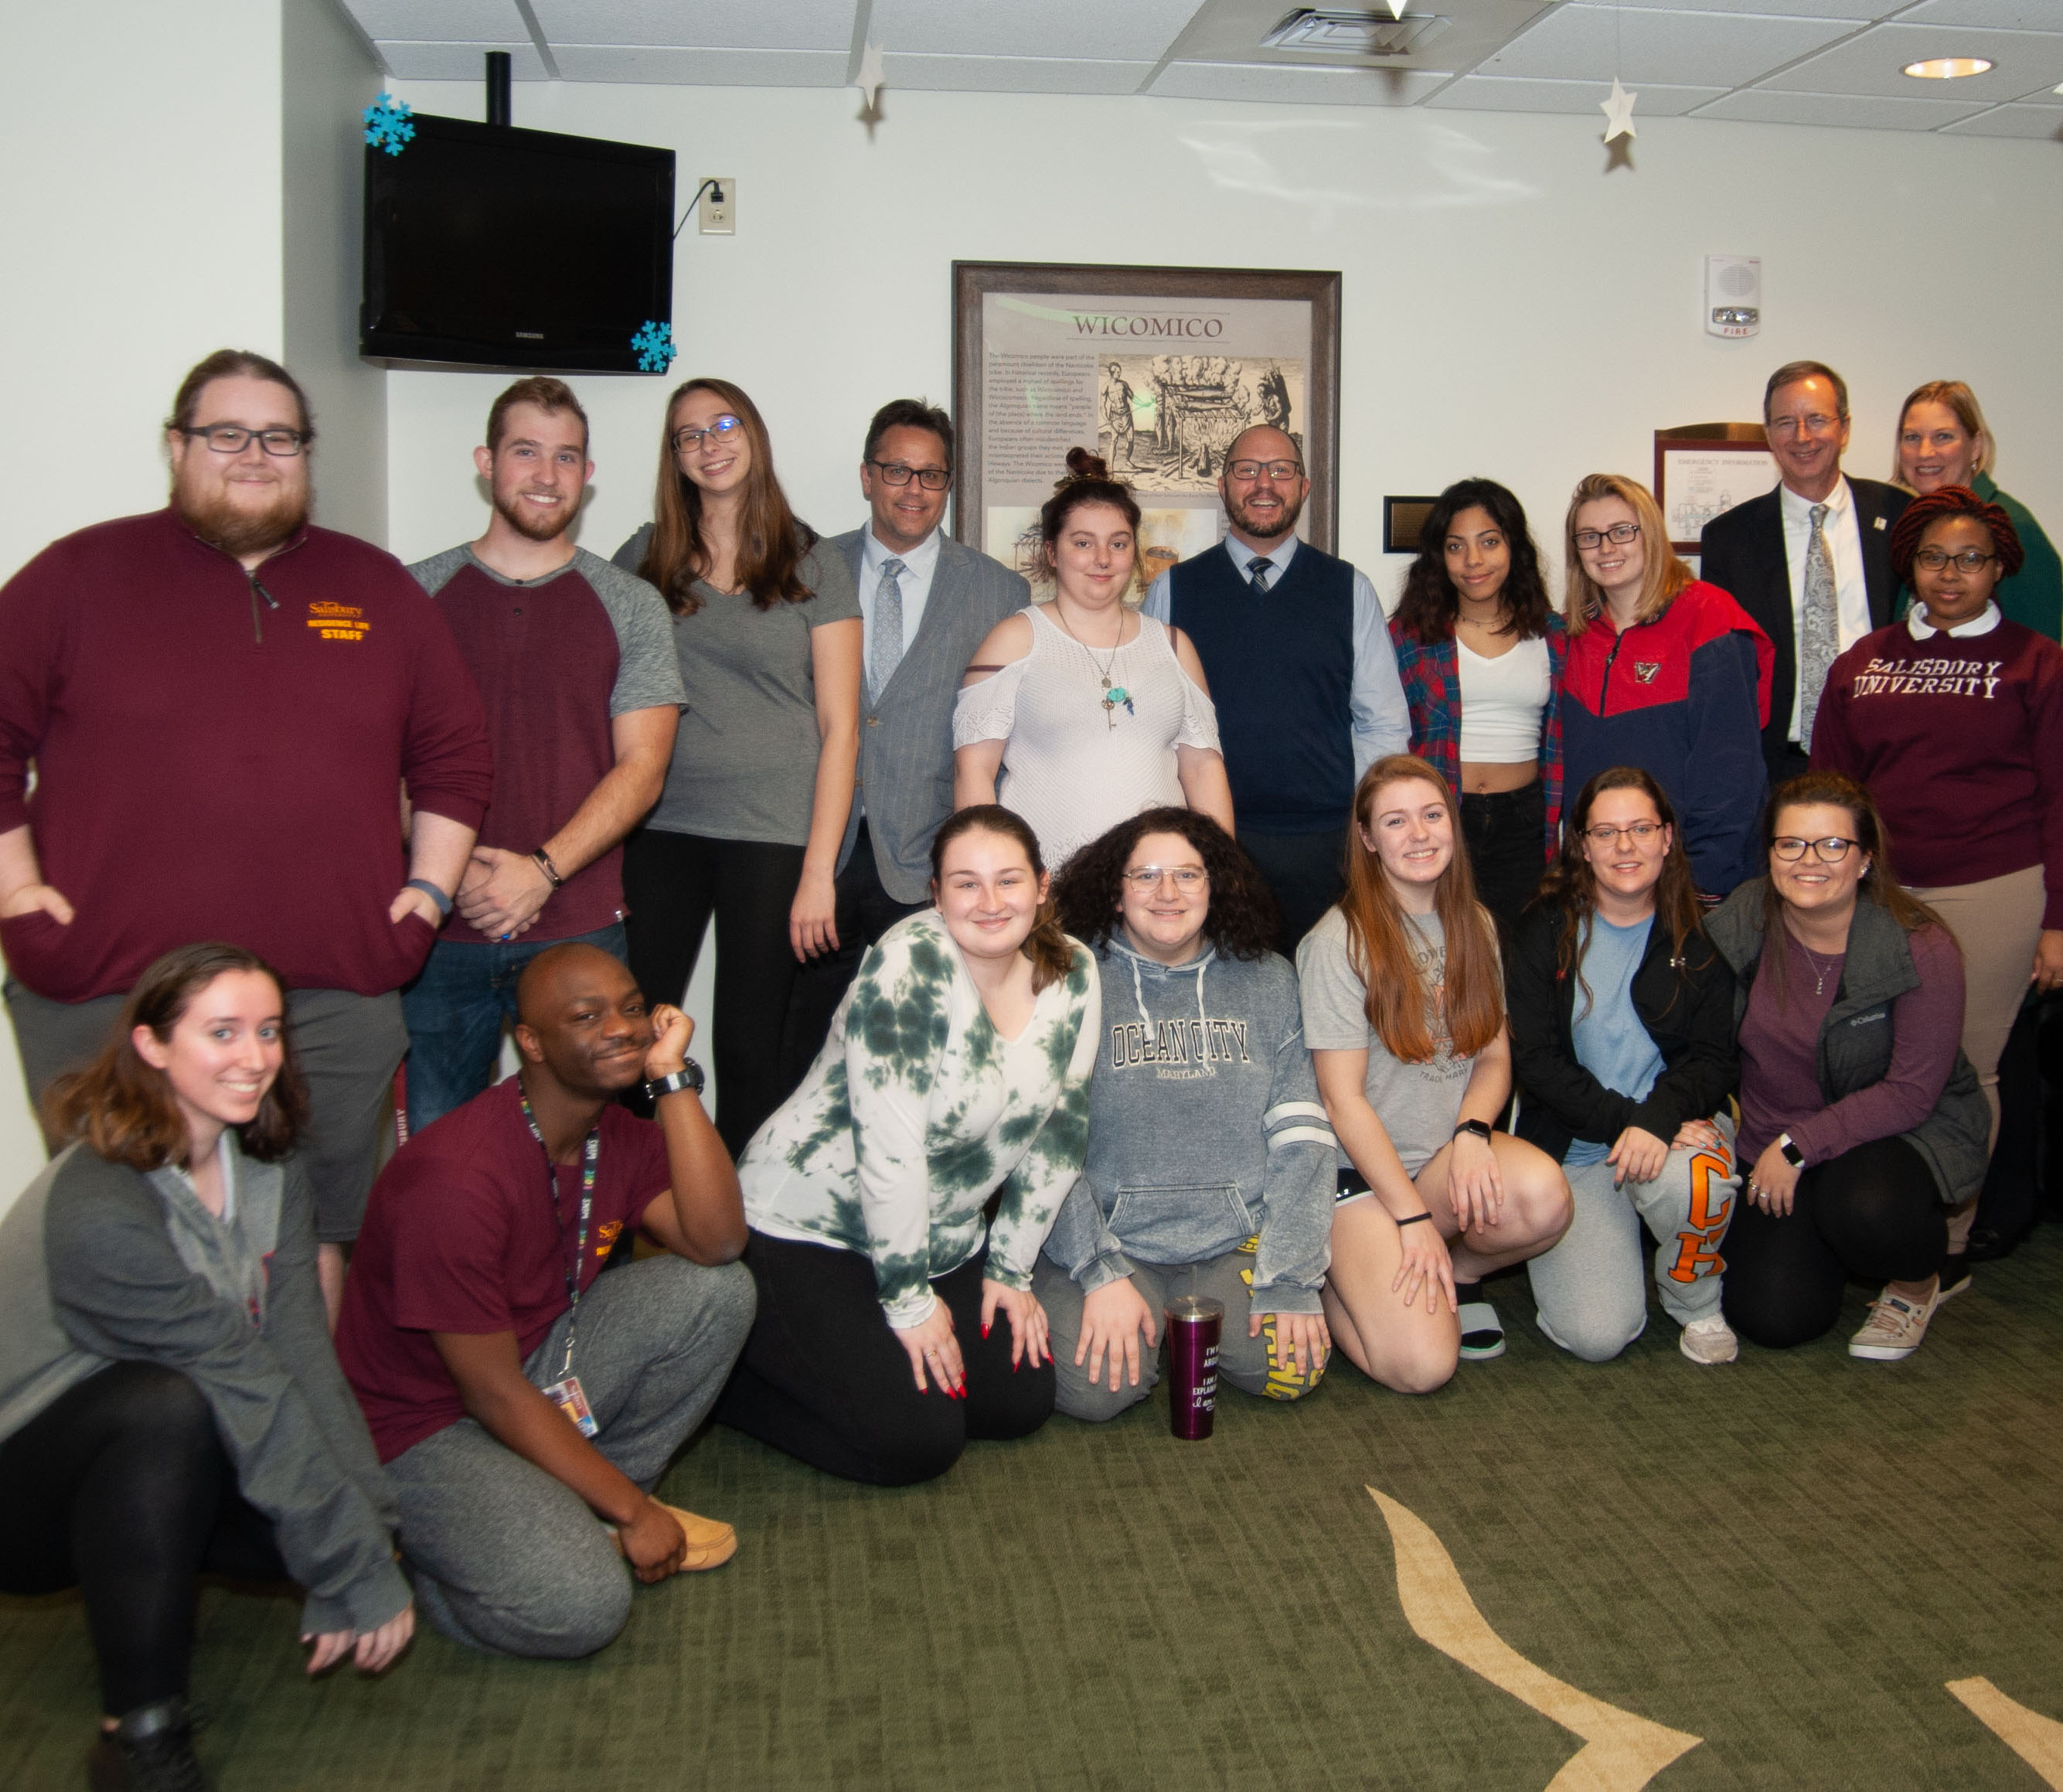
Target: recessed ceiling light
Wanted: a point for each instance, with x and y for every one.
(1947, 68)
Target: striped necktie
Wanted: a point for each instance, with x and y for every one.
(1260, 570)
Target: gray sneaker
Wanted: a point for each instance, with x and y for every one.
(1710, 1340)
(1895, 1327)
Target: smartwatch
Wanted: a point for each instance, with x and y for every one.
(1480, 1128)
(1791, 1154)
(689, 1076)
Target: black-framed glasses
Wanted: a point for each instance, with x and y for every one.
(1588, 540)
(932, 479)
(1831, 851)
(233, 438)
(717, 430)
(1934, 559)
(1151, 877)
(1275, 469)
(1639, 832)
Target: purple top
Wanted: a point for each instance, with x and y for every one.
(1779, 1052)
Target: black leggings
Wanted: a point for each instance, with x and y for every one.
(1506, 833)
(121, 1487)
(823, 1377)
(1874, 1213)
(672, 885)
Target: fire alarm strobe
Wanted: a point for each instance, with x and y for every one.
(1733, 295)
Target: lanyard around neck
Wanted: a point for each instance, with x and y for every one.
(590, 1157)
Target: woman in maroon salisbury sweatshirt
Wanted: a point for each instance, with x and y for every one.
(1954, 720)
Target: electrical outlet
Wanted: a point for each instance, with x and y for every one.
(719, 213)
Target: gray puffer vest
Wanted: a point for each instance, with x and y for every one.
(1855, 1045)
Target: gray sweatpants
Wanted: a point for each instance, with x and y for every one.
(507, 1558)
(1591, 1288)
(347, 1047)
(1242, 1361)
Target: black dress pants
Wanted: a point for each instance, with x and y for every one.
(1874, 1213)
(823, 1377)
(1307, 874)
(121, 1487)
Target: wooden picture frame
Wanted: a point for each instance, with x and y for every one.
(1702, 470)
(1155, 369)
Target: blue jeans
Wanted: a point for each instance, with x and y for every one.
(455, 1012)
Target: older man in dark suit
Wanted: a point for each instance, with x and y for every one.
(927, 602)
(1811, 560)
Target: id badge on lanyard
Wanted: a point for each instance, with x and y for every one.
(566, 1393)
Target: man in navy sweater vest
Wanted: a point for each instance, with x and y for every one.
(1298, 652)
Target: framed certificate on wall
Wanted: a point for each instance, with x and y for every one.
(1158, 370)
(1702, 470)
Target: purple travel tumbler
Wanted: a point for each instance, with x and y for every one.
(1194, 1322)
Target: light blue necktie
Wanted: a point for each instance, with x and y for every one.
(887, 652)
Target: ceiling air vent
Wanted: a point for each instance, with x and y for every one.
(1326, 31)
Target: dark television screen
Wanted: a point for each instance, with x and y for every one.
(487, 246)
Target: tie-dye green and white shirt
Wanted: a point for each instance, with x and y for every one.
(917, 1110)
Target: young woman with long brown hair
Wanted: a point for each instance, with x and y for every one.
(1623, 1034)
(957, 1070)
(1861, 1119)
(1404, 1014)
(169, 1400)
(748, 827)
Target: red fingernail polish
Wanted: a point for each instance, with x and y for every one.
(984, 1331)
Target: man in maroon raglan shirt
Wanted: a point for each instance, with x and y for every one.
(575, 660)
(222, 705)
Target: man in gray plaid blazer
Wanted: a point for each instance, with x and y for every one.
(927, 602)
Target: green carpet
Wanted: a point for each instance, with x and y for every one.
(1786, 1558)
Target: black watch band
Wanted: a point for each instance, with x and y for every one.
(689, 1076)
(1480, 1128)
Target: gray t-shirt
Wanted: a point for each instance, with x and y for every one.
(745, 761)
(1418, 1104)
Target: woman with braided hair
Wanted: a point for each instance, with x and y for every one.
(1953, 718)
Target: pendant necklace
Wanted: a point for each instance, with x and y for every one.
(1820, 972)
(1113, 694)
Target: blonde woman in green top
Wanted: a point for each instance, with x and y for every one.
(957, 1071)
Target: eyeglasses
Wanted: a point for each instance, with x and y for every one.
(1588, 540)
(1151, 877)
(1831, 851)
(233, 438)
(1817, 423)
(932, 479)
(1275, 469)
(719, 430)
(1604, 834)
(1934, 559)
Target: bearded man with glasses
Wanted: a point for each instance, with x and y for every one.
(223, 705)
(1297, 653)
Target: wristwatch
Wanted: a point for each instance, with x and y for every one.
(689, 1076)
(1791, 1154)
(1480, 1128)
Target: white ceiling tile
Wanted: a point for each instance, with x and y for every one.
(1858, 111)
(1115, 30)
(2004, 15)
(1013, 74)
(699, 24)
(1273, 83)
(1578, 42)
(2013, 121)
(1874, 63)
(458, 62)
(701, 68)
(1489, 93)
(438, 21)
(1854, 10)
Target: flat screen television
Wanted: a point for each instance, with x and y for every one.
(490, 246)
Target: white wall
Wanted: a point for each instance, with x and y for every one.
(1511, 308)
(142, 217)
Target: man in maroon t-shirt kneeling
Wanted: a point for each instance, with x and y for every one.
(524, 1408)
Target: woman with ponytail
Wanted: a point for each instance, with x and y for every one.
(1088, 710)
(1404, 1014)
(956, 1072)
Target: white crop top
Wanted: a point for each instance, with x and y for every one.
(1502, 699)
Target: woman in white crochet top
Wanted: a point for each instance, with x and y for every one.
(1090, 711)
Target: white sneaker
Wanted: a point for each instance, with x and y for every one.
(1710, 1340)
(1895, 1327)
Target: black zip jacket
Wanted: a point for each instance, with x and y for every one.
(1686, 1005)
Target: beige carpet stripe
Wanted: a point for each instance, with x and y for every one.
(1623, 1753)
(2037, 1740)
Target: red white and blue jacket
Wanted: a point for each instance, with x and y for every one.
(1685, 697)
(1432, 692)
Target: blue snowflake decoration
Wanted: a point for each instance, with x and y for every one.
(654, 343)
(387, 125)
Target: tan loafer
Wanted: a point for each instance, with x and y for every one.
(711, 1542)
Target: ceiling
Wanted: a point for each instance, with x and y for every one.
(1785, 62)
